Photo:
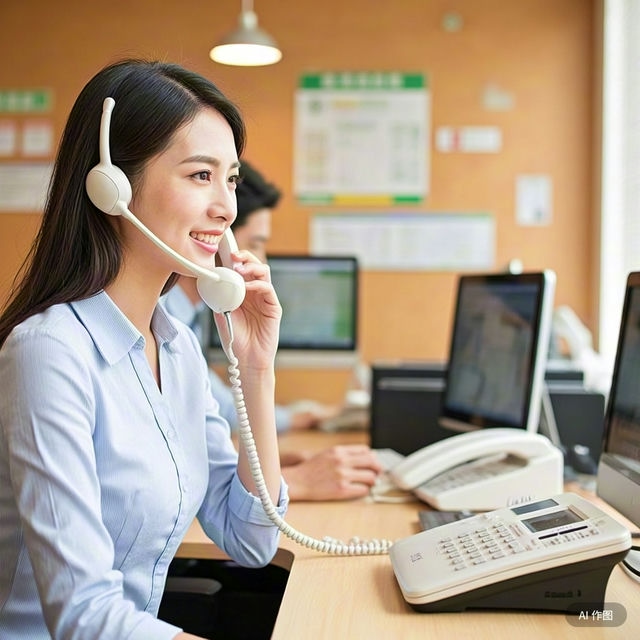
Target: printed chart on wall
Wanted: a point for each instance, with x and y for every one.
(362, 138)
(408, 241)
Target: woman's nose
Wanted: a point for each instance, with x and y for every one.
(224, 205)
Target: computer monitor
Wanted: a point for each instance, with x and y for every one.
(319, 298)
(618, 478)
(498, 351)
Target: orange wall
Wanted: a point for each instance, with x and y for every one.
(541, 51)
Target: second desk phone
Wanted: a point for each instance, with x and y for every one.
(482, 470)
(554, 554)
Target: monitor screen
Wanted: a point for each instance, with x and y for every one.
(498, 351)
(618, 480)
(319, 298)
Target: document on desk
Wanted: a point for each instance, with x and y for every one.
(408, 241)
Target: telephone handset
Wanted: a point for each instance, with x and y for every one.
(482, 470)
(221, 288)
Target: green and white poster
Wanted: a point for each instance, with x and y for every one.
(362, 138)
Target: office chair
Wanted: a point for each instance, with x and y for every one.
(193, 604)
(243, 607)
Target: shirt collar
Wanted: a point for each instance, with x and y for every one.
(112, 332)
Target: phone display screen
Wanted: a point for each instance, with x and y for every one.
(552, 520)
(534, 506)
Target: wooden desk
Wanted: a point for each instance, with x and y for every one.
(355, 598)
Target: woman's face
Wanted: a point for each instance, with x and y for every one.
(187, 194)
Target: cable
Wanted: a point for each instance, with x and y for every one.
(327, 545)
(631, 568)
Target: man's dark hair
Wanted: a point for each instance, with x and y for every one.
(254, 193)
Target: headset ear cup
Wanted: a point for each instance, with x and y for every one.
(107, 185)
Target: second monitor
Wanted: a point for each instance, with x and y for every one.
(498, 352)
(319, 298)
(494, 376)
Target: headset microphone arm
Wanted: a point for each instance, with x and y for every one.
(195, 269)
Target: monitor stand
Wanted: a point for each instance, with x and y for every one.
(578, 460)
(548, 426)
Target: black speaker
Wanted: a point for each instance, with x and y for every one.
(405, 406)
(579, 416)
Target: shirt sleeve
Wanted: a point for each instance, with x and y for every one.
(239, 524)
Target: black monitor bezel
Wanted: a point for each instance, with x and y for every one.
(460, 420)
(617, 483)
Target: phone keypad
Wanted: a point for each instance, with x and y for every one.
(483, 544)
(471, 473)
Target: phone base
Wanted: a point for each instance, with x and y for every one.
(570, 589)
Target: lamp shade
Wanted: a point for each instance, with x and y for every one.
(247, 46)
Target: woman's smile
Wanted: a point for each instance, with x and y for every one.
(208, 241)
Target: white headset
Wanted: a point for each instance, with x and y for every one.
(221, 288)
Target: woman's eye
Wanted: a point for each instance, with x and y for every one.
(235, 180)
(204, 175)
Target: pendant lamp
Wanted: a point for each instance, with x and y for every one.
(248, 45)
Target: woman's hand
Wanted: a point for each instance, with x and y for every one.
(256, 323)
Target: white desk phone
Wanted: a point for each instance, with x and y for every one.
(482, 470)
(555, 554)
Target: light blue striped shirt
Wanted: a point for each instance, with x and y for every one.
(101, 474)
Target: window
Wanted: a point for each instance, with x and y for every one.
(620, 206)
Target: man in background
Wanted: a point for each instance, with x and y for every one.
(336, 473)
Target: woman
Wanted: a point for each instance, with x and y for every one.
(110, 441)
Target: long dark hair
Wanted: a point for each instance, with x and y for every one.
(77, 252)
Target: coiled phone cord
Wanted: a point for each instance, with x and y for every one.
(327, 545)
